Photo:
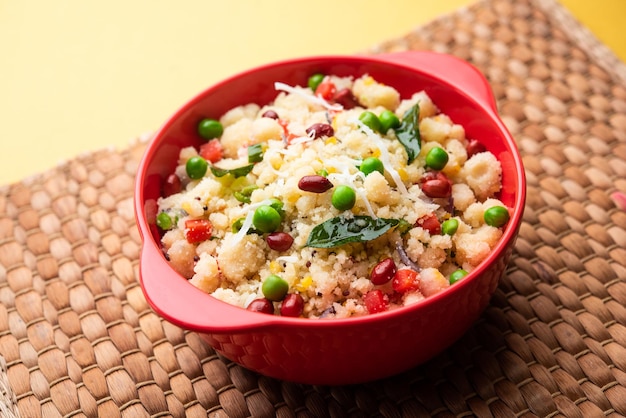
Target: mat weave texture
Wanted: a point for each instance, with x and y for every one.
(79, 339)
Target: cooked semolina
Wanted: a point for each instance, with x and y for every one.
(252, 216)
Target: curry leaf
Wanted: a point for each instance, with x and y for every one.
(255, 153)
(342, 230)
(235, 172)
(408, 133)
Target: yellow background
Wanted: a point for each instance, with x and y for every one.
(80, 75)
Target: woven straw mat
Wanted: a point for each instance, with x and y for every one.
(79, 339)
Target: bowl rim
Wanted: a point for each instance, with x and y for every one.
(483, 99)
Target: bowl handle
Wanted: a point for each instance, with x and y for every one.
(449, 69)
(183, 304)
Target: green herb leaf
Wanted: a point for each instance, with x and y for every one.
(255, 153)
(235, 172)
(408, 133)
(244, 194)
(403, 226)
(241, 197)
(342, 230)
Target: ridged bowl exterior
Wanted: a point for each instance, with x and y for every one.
(338, 351)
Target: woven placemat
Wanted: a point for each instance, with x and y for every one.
(79, 338)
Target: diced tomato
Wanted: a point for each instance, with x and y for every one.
(375, 301)
(211, 151)
(326, 89)
(291, 137)
(430, 223)
(405, 280)
(285, 125)
(198, 230)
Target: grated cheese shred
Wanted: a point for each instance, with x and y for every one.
(311, 98)
(384, 156)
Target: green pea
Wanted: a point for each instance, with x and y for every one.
(370, 120)
(449, 226)
(323, 172)
(164, 221)
(496, 216)
(210, 128)
(371, 164)
(388, 120)
(437, 158)
(457, 275)
(266, 219)
(274, 287)
(315, 81)
(196, 167)
(343, 198)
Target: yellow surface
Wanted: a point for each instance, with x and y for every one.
(79, 75)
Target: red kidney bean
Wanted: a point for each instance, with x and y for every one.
(437, 188)
(474, 147)
(436, 184)
(314, 184)
(292, 305)
(172, 185)
(430, 223)
(279, 241)
(261, 305)
(383, 271)
(346, 99)
(270, 114)
(319, 130)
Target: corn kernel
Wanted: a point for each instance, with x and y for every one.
(292, 198)
(275, 267)
(441, 279)
(331, 140)
(276, 161)
(452, 169)
(376, 153)
(304, 284)
(404, 176)
(368, 81)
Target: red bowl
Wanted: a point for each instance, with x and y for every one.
(337, 351)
